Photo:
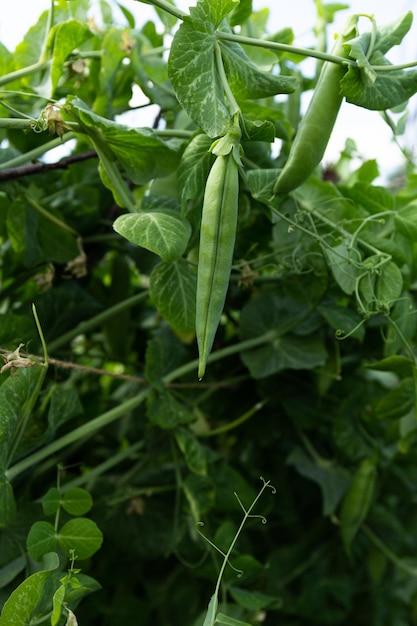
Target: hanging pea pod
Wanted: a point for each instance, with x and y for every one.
(217, 241)
(357, 501)
(316, 127)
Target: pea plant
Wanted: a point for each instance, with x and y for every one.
(192, 297)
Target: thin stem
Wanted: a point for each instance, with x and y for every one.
(169, 8)
(95, 321)
(36, 152)
(222, 354)
(220, 68)
(237, 422)
(273, 45)
(81, 432)
(50, 217)
(25, 71)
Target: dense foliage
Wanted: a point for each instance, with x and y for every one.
(111, 449)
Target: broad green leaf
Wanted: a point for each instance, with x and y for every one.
(406, 220)
(200, 494)
(28, 51)
(22, 226)
(403, 314)
(397, 402)
(21, 608)
(285, 352)
(192, 68)
(114, 51)
(379, 89)
(80, 535)
(380, 288)
(246, 80)
(163, 232)
(164, 353)
(193, 168)
(15, 392)
(166, 412)
(374, 199)
(252, 600)
(343, 262)
(241, 13)
(400, 365)
(342, 320)
(274, 318)
(77, 501)
(66, 38)
(210, 618)
(333, 480)
(7, 503)
(172, 290)
(139, 151)
(41, 540)
(193, 451)
(229, 621)
(51, 501)
(57, 603)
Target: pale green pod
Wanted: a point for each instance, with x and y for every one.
(217, 242)
(316, 127)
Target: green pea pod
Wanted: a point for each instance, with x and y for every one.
(316, 127)
(217, 241)
(357, 501)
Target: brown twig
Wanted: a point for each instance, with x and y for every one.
(40, 168)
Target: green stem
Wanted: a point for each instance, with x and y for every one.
(50, 217)
(78, 433)
(95, 321)
(220, 68)
(34, 154)
(222, 354)
(273, 45)
(237, 422)
(100, 469)
(25, 71)
(169, 8)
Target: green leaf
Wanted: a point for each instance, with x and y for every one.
(200, 495)
(342, 320)
(193, 451)
(21, 608)
(193, 168)
(381, 287)
(15, 392)
(193, 71)
(173, 291)
(141, 154)
(332, 479)
(378, 89)
(282, 350)
(57, 603)
(67, 37)
(41, 540)
(246, 80)
(164, 353)
(77, 501)
(210, 618)
(397, 402)
(406, 220)
(80, 535)
(22, 226)
(51, 501)
(229, 621)
(166, 412)
(163, 232)
(400, 365)
(252, 600)
(343, 263)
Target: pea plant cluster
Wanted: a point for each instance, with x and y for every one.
(185, 308)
